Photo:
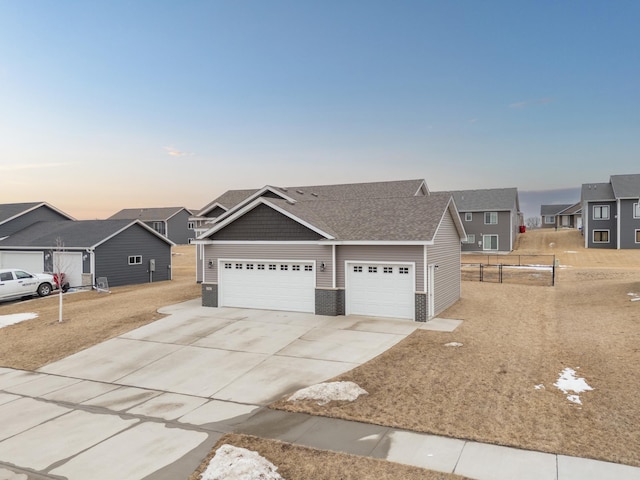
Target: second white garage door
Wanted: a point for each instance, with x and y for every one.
(268, 285)
(32, 262)
(380, 290)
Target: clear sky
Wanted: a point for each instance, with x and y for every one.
(113, 104)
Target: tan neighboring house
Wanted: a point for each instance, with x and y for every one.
(561, 215)
(386, 249)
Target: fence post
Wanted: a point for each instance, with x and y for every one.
(500, 272)
(481, 272)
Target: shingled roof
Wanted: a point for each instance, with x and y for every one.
(597, 192)
(626, 186)
(78, 234)
(9, 211)
(159, 214)
(497, 199)
(554, 209)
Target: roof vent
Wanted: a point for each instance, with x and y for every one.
(291, 202)
(314, 194)
(283, 189)
(300, 192)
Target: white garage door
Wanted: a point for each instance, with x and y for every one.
(380, 290)
(30, 261)
(269, 285)
(71, 265)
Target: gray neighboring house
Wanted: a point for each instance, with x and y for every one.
(125, 251)
(491, 218)
(172, 222)
(17, 216)
(561, 215)
(386, 249)
(611, 213)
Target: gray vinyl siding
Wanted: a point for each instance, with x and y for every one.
(446, 254)
(381, 253)
(505, 229)
(609, 224)
(177, 228)
(40, 214)
(628, 224)
(216, 212)
(112, 257)
(266, 224)
(258, 251)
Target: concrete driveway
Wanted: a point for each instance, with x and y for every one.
(151, 403)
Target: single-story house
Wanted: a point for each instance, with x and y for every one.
(16, 216)
(387, 249)
(611, 212)
(126, 252)
(561, 215)
(172, 222)
(491, 218)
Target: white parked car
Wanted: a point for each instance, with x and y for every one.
(16, 283)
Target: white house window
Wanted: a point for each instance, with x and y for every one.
(308, 268)
(637, 236)
(373, 269)
(238, 266)
(601, 236)
(295, 267)
(158, 227)
(490, 242)
(490, 218)
(636, 210)
(549, 219)
(135, 260)
(387, 270)
(272, 267)
(227, 265)
(191, 225)
(249, 266)
(601, 212)
(403, 270)
(468, 216)
(261, 266)
(284, 267)
(357, 268)
(471, 238)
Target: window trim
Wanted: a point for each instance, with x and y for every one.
(497, 242)
(600, 230)
(552, 217)
(137, 259)
(637, 235)
(601, 207)
(471, 239)
(491, 214)
(468, 216)
(636, 210)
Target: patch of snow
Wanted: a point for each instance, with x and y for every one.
(453, 344)
(539, 387)
(6, 320)
(631, 294)
(570, 251)
(568, 382)
(235, 463)
(326, 392)
(635, 299)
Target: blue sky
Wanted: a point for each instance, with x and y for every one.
(113, 104)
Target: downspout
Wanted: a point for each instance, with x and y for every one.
(424, 268)
(333, 266)
(618, 223)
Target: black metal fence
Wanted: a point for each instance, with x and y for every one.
(537, 270)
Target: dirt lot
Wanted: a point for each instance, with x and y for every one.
(517, 337)
(91, 317)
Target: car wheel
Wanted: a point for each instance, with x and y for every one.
(44, 289)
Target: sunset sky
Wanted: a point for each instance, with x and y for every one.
(113, 104)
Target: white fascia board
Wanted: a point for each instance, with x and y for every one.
(252, 198)
(247, 208)
(423, 184)
(376, 242)
(313, 242)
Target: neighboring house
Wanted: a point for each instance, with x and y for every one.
(125, 251)
(611, 213)
(16, 216)
(561, 216)
(172, 222)
(387, 249)
(491, 218)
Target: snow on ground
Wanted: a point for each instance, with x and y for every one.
(634, 297)
(569, 382)
(326, 392)
(453, 344)
(235, 463)
(6, 320)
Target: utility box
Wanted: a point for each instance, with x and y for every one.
(152, 265)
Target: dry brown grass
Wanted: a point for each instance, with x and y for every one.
(91, 317)
(303, 463)
(515, 337)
